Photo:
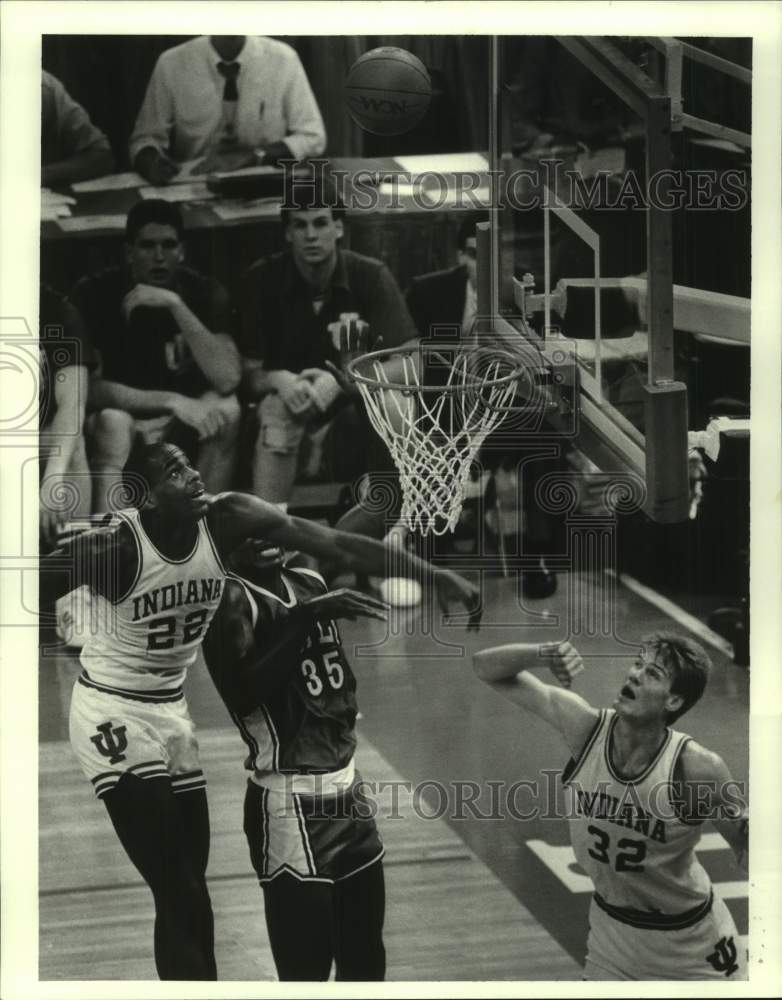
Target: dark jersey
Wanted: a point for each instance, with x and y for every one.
(147, 350)
(306, 725)
(285, 324)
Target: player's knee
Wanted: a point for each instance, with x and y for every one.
(231, 413)
(279, 430)
(111, 433)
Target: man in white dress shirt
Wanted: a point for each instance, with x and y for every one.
(235, 100)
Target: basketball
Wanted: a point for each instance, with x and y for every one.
(388, 91)
(401, 593)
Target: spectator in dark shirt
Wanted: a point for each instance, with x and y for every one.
(168, 365)
(65, 358)
(72, 148)
(293, 305)
(448, 299)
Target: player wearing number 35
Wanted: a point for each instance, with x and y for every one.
(158, 577)
(638, 793)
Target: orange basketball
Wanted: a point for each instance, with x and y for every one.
(387, 91)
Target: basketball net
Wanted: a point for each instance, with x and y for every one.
(434, 432)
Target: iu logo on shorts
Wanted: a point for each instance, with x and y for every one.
(111, 742)
(723, 958)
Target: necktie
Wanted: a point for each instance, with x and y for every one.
(230, 71)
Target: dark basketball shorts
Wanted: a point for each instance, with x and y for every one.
(315, 838)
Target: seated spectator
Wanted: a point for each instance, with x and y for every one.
(65, 359)
(448, 299)
(168, 365)
(237, 100)
(291, 309)
(72, 148)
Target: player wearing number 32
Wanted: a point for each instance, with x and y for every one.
(157, 575)
(637, 794)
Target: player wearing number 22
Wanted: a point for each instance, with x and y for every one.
(157, 575)
(638, 793)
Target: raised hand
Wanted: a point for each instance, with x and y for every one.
(452, 588)
(563, 660)
(349, 334)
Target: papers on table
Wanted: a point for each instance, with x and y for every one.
(55, 205)
(259, 171)
(130, 179)
(111, 182)
(394, 191)
(197, 191)
(444, 163)
(50, 213)
(436, 182)
(85, 223)
(456, 196)
(229, 211)
(55, 198)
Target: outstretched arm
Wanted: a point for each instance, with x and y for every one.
(708, 791)
(506, 669)
(233, 517)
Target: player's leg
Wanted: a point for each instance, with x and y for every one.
(609, 947)
(193, 808)
(594, 973)
(378, 491)
(276, 450)
(300, 922)
(359, 911)
(299, 910)
(217, 455)
(110, 433)
(166, 843)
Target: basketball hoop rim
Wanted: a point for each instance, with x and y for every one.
(471, 382)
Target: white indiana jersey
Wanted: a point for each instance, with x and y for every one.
(627, 835)
(148, 638)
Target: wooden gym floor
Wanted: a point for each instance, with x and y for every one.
(469, 897)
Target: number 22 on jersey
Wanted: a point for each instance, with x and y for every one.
(162, 631)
